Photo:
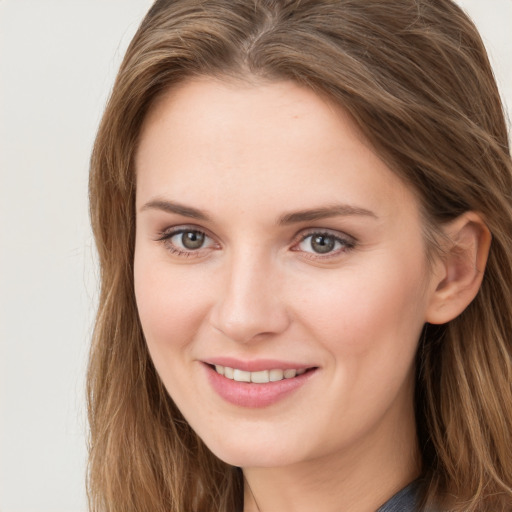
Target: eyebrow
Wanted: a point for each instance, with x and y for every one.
(180, 209)
(285, 219)
(336, 210)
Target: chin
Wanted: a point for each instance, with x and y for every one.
(253, 458)
(245, 453)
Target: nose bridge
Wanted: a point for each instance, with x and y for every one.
(249, 305)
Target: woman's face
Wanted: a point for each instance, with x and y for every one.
(274, 244)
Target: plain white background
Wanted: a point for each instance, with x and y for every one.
(58, 59)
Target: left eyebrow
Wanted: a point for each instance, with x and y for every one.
(172, 207)
(324, 213)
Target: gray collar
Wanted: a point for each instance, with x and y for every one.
(404, 501)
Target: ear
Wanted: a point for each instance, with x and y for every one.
(460, 268)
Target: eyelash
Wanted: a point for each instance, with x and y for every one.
(166, 236)
(347, 243)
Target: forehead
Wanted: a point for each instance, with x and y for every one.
(229, 141)
(249, 106)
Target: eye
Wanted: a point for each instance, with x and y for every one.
(190, 240)
(324, 243)
(186, 241)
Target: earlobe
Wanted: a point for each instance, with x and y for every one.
(462, 265)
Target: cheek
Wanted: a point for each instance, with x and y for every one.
(171, 303)
(373, 315)
(369, 324)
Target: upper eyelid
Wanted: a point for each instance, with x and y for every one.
(165, 235)
(180, 228)
(342, 235)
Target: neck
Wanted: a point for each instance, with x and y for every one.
(357, 479)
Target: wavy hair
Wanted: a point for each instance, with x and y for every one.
(415, 76)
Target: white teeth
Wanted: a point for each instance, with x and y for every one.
(275, 375)
(260, 377)
(241, 376)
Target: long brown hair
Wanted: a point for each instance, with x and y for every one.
(415, 76)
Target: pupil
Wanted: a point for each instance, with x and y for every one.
(192, 239)
(322, 243)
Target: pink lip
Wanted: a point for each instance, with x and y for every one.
(246, 394)
(257, 365)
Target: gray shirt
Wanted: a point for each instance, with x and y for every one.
(403, 501)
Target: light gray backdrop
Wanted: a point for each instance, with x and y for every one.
(58, 59)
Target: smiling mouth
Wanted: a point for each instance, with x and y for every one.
(265, 386)
(260, 377)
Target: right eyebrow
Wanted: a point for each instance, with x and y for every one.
(172, 207)
(324, 213)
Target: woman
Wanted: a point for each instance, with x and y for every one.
(293, 203)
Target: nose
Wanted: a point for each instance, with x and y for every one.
(249, 305)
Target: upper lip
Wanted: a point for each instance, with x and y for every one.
(256, 365)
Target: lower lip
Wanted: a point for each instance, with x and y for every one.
(248, 394)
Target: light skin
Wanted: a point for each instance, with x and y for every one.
(268, 228)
